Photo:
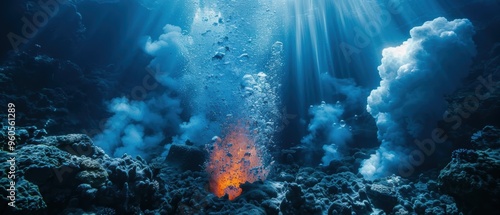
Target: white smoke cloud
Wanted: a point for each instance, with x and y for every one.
(141, 127)
(415, 77)
(345, 90)
(138, 127)
(170, 54)
(198, 130)
(328, 130)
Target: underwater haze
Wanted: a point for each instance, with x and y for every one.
(250, 107)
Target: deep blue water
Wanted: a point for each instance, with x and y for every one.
(327, 51)
(372, 82)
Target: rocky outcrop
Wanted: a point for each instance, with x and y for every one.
(187, 157)
(68, 173)
(473, 175)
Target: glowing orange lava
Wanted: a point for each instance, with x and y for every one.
(234, 161)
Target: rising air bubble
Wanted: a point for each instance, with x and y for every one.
(262, 75)
(342, 123)
(277, 48)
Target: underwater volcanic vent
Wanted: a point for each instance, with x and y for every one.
(234, 160)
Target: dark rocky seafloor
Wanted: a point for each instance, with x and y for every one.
(67, 174)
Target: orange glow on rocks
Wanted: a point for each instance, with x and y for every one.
(234, 160)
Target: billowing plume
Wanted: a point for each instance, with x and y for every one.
(328, 130)
(198, 130)
(140, 127)
(415, 78)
